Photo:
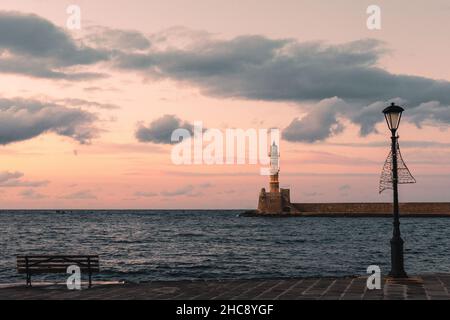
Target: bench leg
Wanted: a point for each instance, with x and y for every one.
(90, 280)
(28, 280)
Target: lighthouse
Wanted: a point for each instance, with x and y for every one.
(277, 200)
(274, 168)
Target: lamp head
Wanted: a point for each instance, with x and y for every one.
(393, 115)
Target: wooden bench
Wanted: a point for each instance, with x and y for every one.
(40, 264)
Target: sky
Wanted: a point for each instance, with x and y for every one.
(86, 114)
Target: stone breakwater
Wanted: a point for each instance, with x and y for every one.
(407, 209)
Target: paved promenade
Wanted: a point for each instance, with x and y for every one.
(425, 287)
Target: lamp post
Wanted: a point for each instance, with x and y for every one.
(393, 115)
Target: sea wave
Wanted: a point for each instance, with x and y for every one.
(140, 246)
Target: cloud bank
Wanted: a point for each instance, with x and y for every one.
(250, 67)
(331, 82)
(15, 179)
(22, 119)
(33, 46)
(160, 130)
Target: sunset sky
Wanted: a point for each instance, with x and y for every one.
(85, 114)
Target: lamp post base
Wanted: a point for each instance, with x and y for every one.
(397, 269)
(398, 275)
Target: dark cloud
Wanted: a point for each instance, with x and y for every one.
(208, 64)
(258, 68)
(15, 179)
(22, 119)
(160, 130)
(255, 67)
(33, 46)
(431, 111)
(125, 40)
(246, 67)
(87, 103)
(6, 175)
(40, 69)
(317, 125)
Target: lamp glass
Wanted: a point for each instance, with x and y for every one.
(393, 115)
(393, 119)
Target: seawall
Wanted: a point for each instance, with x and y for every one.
(376, 209)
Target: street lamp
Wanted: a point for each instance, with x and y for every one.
(393, 115)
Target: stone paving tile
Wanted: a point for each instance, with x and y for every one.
(319, 288)
(290, 287)
(236, 289)
(272, 291)
(338, 287)
(433, 287)
(256, 289)
(297, 292)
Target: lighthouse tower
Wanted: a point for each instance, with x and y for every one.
(274, 168)
(277, 200)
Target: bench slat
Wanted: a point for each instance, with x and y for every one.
(57, 256)
(61, 258)
(54, 270)
(57, 265)
(38, 264)
(62, 263)
(45, 258)
(57, 261)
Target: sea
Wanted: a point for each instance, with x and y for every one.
(169, 245)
